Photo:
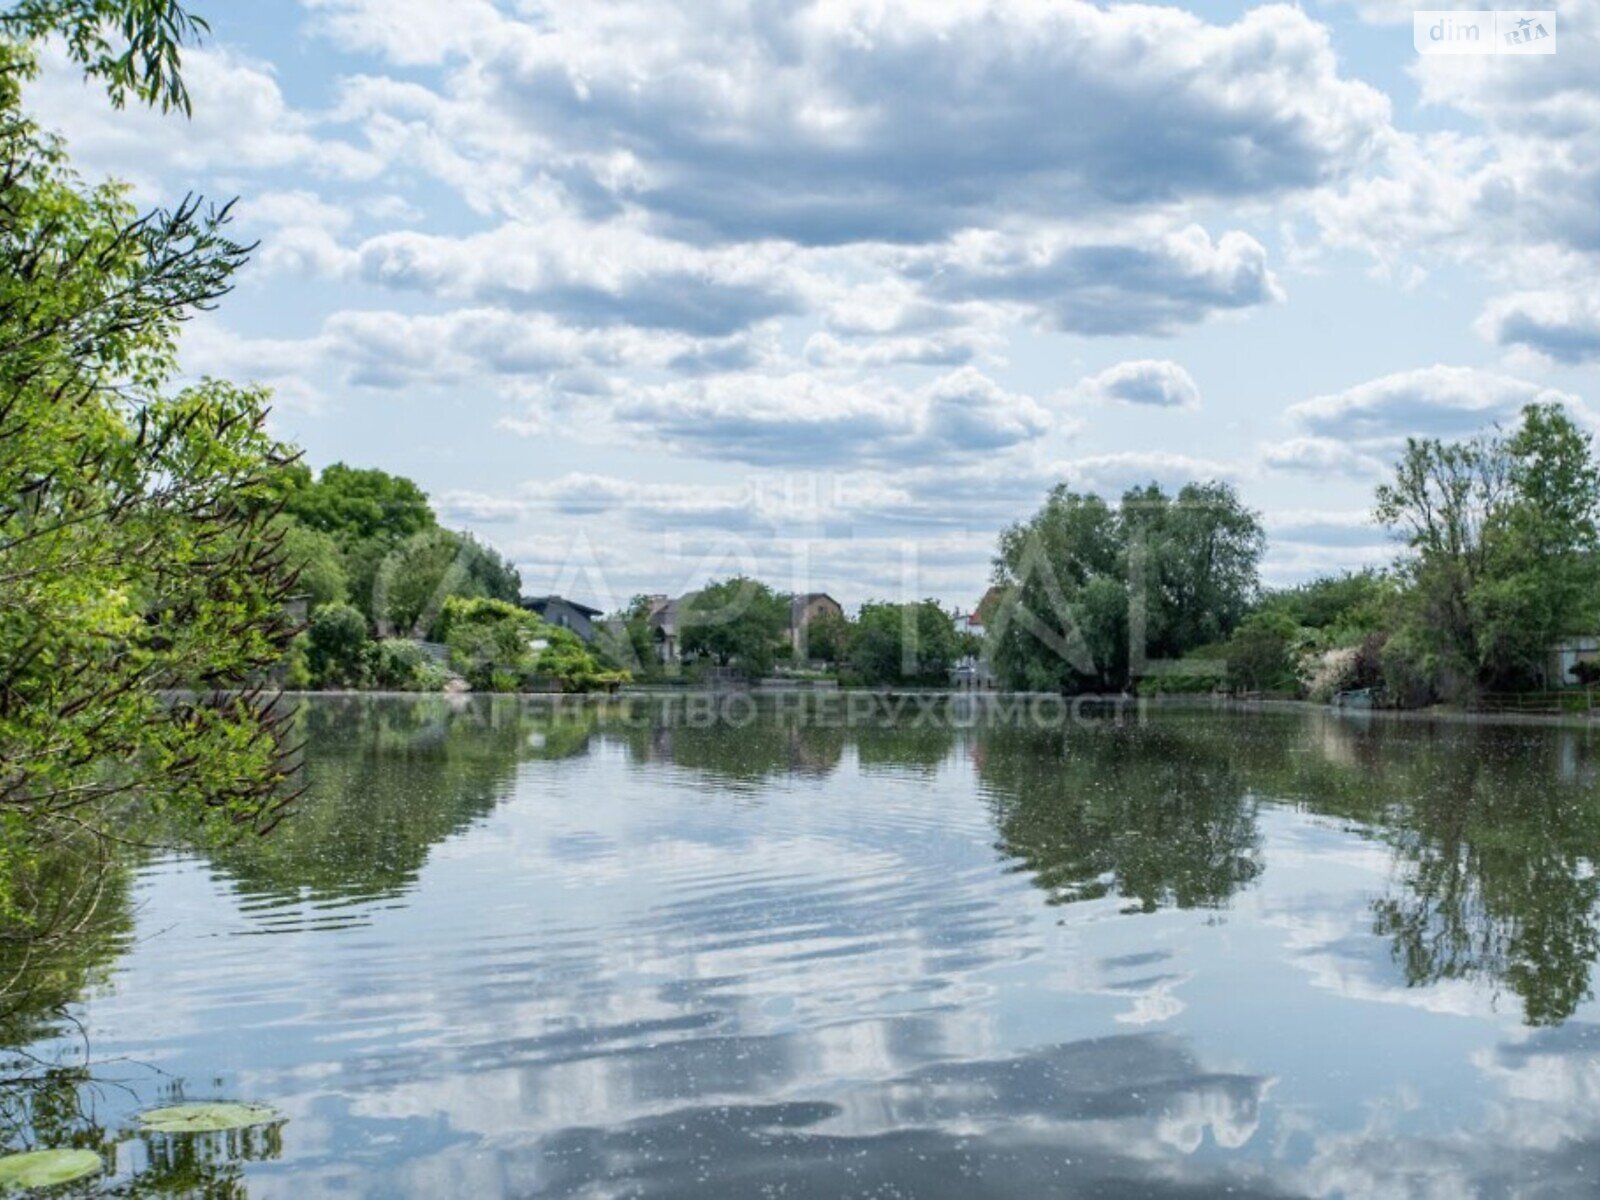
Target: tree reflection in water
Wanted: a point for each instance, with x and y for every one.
(1494, 831)
(747, 754)
(1158, 817)
(1492, 835)
(422, 769)
(1496, 835)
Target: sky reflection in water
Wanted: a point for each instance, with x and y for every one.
(505, 953)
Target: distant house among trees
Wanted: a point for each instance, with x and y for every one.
(804, 608)
(663, 616)
(969, 623)
(564, 614)
(972, 669)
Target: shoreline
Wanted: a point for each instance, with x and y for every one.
(922, 698)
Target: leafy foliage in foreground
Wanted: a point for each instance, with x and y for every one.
(138, 548)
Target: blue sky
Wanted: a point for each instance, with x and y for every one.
(649, 291)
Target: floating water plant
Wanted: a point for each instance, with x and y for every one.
(46, 1168)
(208, 1118)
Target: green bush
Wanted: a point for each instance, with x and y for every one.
(399, 665)
(1260, 654)
(500, 647)
(314, 558)
(336, 652)
(489, 640)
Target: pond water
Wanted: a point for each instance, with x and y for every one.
(612, 953)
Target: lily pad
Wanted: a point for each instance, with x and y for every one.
(208, 1118)
(46, 1168)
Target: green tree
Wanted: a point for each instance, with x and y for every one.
(938, 643)
(137, 549)
(419, 575)
(1503, 554)
(736, 622)
(879, 643)
(1195, 561)
(1059, 619)
(1081, 582)
(1544, 550)
(904, 644)
(368, 513)
(414, 580)
(135, 47)
(397, 665)
(318, 567)
(1346, 606)
(625, 642)
(1442, 501)
(491, 573)
(567, 662)
(828, 637)
(361, 504)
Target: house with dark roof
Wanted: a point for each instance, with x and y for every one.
(564, 614)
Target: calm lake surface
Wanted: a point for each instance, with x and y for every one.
(502, 951)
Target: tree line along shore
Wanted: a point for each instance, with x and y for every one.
(1494, 592)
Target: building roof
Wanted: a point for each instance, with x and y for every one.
(800, 601)
(663, 612)
(987, 605)
(538, 602)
